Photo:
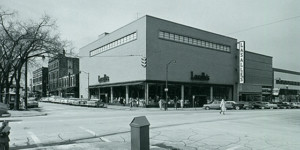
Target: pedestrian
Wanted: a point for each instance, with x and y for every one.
(160, 104)
(166, 104)
(137, 102)
(130, 101)
(175, 103)
(222, 107)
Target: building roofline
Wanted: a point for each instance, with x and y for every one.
(190, 27)
(113, 31)
(145, 16)
(286, 71)
(257, 53)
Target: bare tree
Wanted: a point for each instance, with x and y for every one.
(24, 40)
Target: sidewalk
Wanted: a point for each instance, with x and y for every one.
(119, 107)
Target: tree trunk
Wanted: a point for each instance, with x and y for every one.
(1, 100)
(17, 99)
(7, 86)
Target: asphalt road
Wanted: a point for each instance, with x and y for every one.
(173, 129)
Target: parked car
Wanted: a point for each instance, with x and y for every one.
(32, 102)
(95, 103)
(64, 101)
(282, 105)
(295, 104)
(215, 104)
(234, 105)
(44, 99)
(259, 105)
(271, 105)
(247, 105)
(82, 101)
(4, 110)
(74, 101)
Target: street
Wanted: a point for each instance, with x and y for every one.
(73, 127)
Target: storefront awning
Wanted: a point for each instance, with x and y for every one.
(115, 84)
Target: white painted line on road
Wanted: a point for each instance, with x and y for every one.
(89, 131)
(105, 139)
(233, 148)
(35, 139)
(94, 134)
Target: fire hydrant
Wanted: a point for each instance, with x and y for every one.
(4, 139)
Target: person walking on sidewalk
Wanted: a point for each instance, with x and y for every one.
(175, 102)
(160, 104)
(222, 106)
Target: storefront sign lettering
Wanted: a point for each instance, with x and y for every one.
(242, 62)
(202, 77)
(103, 79)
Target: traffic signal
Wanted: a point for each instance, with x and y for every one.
(144, 62)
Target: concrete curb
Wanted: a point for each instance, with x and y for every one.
(26, 113)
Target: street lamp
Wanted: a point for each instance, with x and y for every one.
(88, 82)
(166, 89)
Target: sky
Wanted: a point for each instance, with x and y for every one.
(269, 27)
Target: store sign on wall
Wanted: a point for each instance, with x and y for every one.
(202, 77)
(103, 79)
(242, 62)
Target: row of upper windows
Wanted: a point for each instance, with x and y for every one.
(192, 41)
(63, 82)
(53, 65)
(37, 73)
(67, 82)
(35, 80)
(118, 42)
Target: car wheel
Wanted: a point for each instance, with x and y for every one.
(237, 107)
(206, 108)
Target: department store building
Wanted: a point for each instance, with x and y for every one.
(136, 60)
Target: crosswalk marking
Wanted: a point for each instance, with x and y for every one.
(233, 148)
(105, 139)
(35, 139)
(89, 131)
(94, 134)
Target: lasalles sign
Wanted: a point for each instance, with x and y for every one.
(202, 77)
(103, 79)
(242, 62)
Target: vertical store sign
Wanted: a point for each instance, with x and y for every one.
(242, 62)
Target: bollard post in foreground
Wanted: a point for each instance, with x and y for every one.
(140, 133)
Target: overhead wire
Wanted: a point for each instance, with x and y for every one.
(258, 26)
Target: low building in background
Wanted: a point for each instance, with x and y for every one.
(40, 82)
(286, 85)
(63, 75)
